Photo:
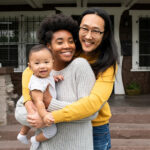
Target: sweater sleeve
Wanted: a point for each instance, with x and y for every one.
(85, 80)
(56, 105)
(25, 82)
(88, 105)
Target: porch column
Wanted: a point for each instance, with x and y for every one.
(5, 79)
(118, 87)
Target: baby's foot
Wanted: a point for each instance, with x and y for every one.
(34, 143)
(22, 138)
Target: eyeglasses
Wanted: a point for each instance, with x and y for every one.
(94, 32)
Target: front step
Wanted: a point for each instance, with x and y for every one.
(129, 131)
(10, 132)
(137, 115)
(129, 128)
(117, 144)
(130, 144)
(11, 119)
(119, 115)
(13, 145)
(118, 131)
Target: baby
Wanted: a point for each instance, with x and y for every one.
(41, 64)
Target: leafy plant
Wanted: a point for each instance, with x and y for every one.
(133, 86)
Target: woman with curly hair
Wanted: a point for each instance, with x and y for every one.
(59, 33)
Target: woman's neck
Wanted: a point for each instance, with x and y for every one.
(59, 65)
(91, 57)
(90, 54)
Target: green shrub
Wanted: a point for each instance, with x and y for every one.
(133, 85)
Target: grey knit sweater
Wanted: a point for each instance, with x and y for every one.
(78, 82)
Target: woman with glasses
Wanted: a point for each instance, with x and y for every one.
(98, 46)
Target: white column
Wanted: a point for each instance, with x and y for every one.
(118, 87)
(135, 43)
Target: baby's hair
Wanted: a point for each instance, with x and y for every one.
(37, 48)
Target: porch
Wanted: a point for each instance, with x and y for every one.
(129, 125)
(130, 101)
(130, 121)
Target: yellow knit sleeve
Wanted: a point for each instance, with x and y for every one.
(87, 106)
(25, 81)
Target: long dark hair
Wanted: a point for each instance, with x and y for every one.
(108, 55)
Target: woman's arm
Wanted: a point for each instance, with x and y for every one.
(85, 80)
(30, 107)
(25, 82)
(90, 104)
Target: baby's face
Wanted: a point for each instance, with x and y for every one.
(41, 63)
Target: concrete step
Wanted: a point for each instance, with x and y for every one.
(10, 132)
(122, 114)
(129, 131)
(130, 115)
(11, 119)
(13, 145)
(130, 144)
(117, 144)
(129, 126)
(118, 130)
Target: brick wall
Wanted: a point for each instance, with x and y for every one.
(16, 80)
(142, 78)
(5, 80)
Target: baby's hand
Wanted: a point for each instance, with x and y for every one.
(48, 119)
(58, 78)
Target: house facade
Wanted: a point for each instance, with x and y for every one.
(20, 19)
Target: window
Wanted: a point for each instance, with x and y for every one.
(31, 25)
(140, 40)
(9, 42)
(144, 42)
(17, 36)
(9, 55)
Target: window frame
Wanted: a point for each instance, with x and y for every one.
(136, 15)
(7, 22)
(22, 60)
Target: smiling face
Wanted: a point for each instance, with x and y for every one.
(63, 48)
(41, 63)
(89, 40)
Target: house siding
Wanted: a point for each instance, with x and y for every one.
(142, 78)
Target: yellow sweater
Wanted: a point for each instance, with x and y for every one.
(25, 81)
(86, 106)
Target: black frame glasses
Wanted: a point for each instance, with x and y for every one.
(94, 32)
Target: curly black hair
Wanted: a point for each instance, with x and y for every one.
(54, 23)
